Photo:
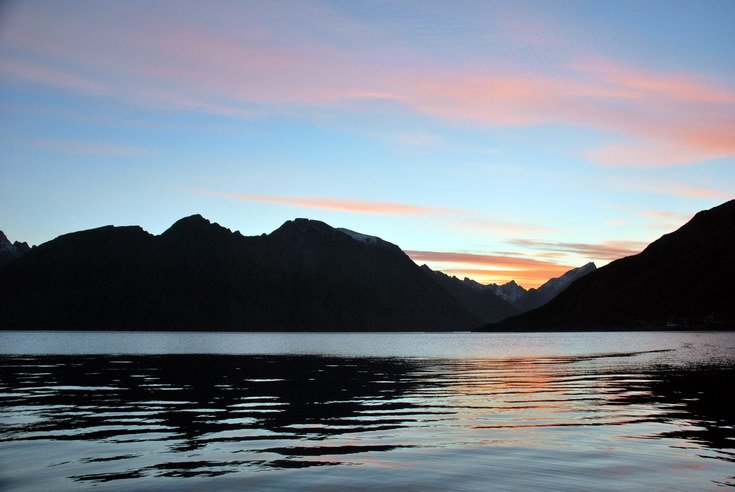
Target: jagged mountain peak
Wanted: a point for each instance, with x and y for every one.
(10, 251)
(510, 291)
(482, 301)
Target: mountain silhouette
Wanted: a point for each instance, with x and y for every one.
(682, 280)
(534, 298)
(10, 251)
(479, 299)
(198, 275)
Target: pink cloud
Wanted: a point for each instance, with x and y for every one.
(450, 217)
(664, 220)
(47, 76)
(674, 188)
(683, 189)
(640, 83)
(335, 204)
(658, 118)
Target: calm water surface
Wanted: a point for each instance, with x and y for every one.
(560, 411)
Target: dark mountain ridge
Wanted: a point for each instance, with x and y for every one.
(199, 275)
(535, 298)
(682, 280)
(10, 251)
(481, 301)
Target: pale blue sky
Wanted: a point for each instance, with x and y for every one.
(539, 135)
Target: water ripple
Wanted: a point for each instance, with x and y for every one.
(132, 419)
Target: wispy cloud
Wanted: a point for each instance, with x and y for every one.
(604, 251)
(658, 219)
(676, 188)
(452, 218)
(663, 214)
(656, 118)
(335, 204)
(48, 76)
(663, 219)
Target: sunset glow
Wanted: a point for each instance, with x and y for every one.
(493, 140)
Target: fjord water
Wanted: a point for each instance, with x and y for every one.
(328, 411)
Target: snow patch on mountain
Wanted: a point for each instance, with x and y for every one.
(510, 291)
(363, 238)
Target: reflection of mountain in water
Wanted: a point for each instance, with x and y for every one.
(698, 395)
(143, 417)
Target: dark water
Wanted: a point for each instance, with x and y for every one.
(592, 411)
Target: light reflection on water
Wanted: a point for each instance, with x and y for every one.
(657, 419)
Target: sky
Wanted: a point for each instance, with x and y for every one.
(494, 140)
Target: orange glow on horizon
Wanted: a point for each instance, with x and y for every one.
(499, 269)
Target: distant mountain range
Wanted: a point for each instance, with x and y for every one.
(494, 302)
(481, 301)
(197, 275)
(682, 280)
(534, 298)
(308, 276)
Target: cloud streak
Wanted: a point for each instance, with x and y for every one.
(654, 118)
(456, 219)
(676, 188)
(604, 251)
(335, 204)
